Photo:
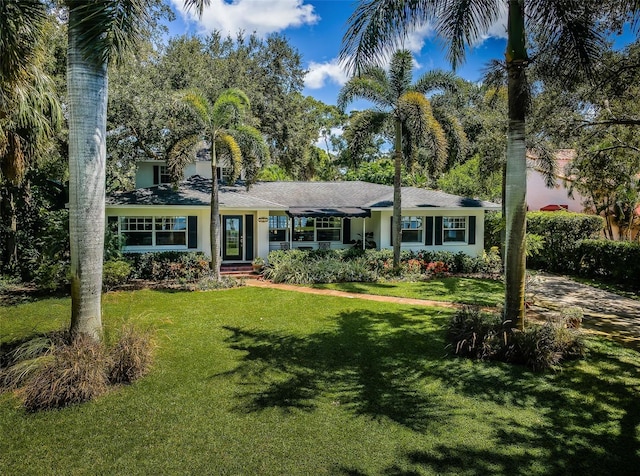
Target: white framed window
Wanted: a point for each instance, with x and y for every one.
(154, 231)
(328, 229)
(278, 228)
(412, 228)
(454, 229)
(304, 228)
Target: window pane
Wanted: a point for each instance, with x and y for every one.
(304, 229)
(412, 236)
(330, 234)
(454, 229)
(133, 238)
(171, 238)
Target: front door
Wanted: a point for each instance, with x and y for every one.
(232, 237)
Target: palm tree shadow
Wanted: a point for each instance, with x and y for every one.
(371, 364)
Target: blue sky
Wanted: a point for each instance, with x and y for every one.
(315, 28)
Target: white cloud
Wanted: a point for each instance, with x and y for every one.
(320, 73)
(499, 28)
(261, 16)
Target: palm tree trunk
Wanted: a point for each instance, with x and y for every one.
(215, 215)
(516, 175)
(87, 90)
(397, 196)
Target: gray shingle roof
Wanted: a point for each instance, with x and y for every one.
(196, 191)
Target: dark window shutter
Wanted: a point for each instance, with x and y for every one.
(248, 233)
(391, 238)
(428, 233)
(156, 174)
(193, 232)
(438, 230)
(346, 231)
(112, 224)
(472, 230)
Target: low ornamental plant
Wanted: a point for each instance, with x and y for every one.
(55, 370)
(484, 336)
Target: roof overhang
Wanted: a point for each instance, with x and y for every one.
(312, 212)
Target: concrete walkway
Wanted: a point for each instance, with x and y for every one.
(604, 312)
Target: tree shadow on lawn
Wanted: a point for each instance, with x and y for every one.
(370, 363)
(589, 420)
(585, 419)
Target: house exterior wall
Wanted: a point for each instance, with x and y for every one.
(144, 175)
(379, 223)
(470, 249)
(539, 195)
(202, 214)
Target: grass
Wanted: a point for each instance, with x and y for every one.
(262, 381)
(485, 292)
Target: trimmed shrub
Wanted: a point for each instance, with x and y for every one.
(561, 232)
(131, 357)
(76, 373)
(53, 276)
(169, 265)
(615, 260)
(115, 273)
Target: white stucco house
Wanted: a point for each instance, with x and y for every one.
(289, 215)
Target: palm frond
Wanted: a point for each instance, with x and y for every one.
(181, 154)
(544, 161)
(197, 5)
(255, 151)
(437, 80)
(376, 28)
(20, 28)
(227, 148)
(369, 88)
(362, 128)
(569, 29)
(230, 108)
(463, 22)
(197, 103)
(400, 72)
(417, 117)
(105, 28)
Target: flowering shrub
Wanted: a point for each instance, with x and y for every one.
(437, 268)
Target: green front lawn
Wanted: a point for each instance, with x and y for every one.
(485, 292)
(261, 381)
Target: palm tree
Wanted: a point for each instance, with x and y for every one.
(99, 30)
(403, 108)
(569, 28)
(222, 124)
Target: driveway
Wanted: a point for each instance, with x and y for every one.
(604, 312)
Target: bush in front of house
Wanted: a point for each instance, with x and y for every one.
(115, 272)
(169, 265)
(331, 266)
(309, 267)
(561, 232)
(615, 260)
(484, 336)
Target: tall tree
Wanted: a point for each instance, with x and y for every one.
(403, 108)
(567, 28)
(224, 125)
(29, 108)
(99, 30)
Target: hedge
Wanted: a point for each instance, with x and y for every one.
(561, 232)
(615, 260)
